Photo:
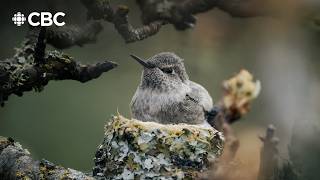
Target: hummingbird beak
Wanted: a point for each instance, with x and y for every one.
(142, 62)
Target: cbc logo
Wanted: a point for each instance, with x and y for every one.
(43, 19)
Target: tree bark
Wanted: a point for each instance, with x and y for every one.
(16, 163)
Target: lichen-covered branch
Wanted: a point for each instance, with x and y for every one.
(32, 67)
(70, 35)
(239, 92)
(16, 163)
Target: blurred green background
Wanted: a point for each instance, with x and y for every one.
(65, 122)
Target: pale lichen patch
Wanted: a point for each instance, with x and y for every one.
(149, 150)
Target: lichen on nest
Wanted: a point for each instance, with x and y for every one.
(133, 149)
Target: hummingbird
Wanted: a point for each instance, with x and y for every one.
(166, 95)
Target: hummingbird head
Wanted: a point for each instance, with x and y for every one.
(162, 71)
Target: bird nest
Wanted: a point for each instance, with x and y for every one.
(133, 149)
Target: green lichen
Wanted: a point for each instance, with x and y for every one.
(146, 150)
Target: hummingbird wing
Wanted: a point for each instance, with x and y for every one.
(200, 95)
(202, 98)
(189, 106)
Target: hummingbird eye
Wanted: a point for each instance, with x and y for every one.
(167, 70)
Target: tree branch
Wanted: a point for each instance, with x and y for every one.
(156, 13)
(181, 13)
(32, 68)
(272, 167)
(269, 155)
(128, 32)
(16, 163)
(70, 35)
(239, 92)
(119, 17)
